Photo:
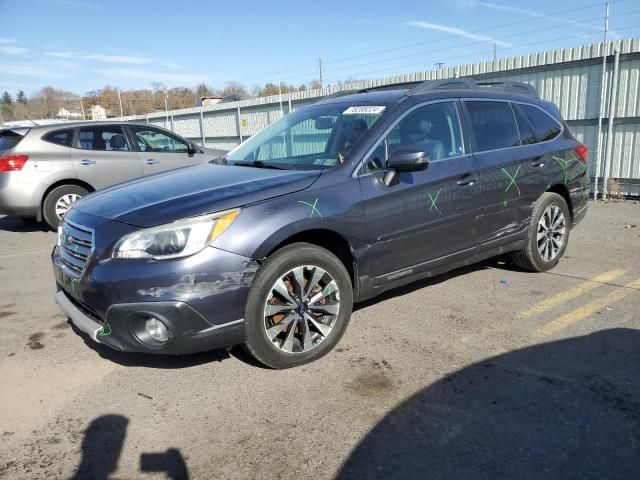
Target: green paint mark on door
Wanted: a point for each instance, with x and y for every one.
(434, 200)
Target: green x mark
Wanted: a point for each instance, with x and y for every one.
(512, 179)
(565, 167)
(434, 205)
(106, 330)
(313, 207)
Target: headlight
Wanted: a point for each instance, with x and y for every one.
(175, 240)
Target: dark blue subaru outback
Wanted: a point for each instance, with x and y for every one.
(333, 204)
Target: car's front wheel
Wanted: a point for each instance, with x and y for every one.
(58, 201)
(548, 234)
(298, 307)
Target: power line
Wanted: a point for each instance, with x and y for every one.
(466, 45)
(400, 47)
(473, 54)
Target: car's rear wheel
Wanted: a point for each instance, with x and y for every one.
(58, 201)
(298, 307)
(548, 234)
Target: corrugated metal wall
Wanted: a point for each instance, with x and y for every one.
(568, 77)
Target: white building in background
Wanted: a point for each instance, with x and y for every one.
(97, 113)
(68, 114)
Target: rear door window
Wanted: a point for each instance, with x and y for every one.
(60, 137)
(527, 136)
(545, 127)
(493, 125)
(104, 138)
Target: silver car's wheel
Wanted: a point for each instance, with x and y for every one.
(58, 202)
(552, 230)
(64, 203)
(301, 309)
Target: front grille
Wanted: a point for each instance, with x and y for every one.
(76, 246)
(84, 308)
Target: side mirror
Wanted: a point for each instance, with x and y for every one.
(404, 160)
(191, 149)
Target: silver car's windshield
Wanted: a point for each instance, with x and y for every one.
(314, 137)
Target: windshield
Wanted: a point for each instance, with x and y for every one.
(314, 137)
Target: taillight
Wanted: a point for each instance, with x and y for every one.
(13, 163)
(583, 153)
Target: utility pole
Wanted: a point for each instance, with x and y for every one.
(120, 101)
(166, 110)
(439, 65)
(320, 69)
(280, 94)
(602, 95)
(495, 56)
(82, 109)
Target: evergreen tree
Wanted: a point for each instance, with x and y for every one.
(6, 98)
(21, 97)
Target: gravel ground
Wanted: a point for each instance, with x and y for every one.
(467, 375)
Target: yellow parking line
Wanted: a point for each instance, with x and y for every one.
(571, 293)
(578, 314)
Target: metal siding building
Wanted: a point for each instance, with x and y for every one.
(568, 77)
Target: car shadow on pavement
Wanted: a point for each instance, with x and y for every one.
(102, 446)
(132, 359)
(17, 225)
(148, 360)
(565, 409)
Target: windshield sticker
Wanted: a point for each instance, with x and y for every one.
(330, 162)
(318, 161)
(363, 109)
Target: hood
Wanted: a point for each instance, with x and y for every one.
(191, 191)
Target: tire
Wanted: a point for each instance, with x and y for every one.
(58, 194)
(531, 257)
(287, 346)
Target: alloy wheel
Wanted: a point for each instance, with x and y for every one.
(551, 232)
(64, 203)
(301, 309)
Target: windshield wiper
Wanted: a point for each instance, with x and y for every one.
(258, 164)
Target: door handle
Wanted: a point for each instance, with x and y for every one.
(467, 179)
(152, 161)
(86, 161)
(537, 162)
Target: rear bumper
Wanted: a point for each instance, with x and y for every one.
(18, 198)
(123, 328)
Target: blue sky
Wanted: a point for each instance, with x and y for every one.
(80, 45)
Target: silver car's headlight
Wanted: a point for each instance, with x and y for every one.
(175, 240)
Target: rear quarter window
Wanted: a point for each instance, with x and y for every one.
(60, 137)
(544, 126)
(9, 139)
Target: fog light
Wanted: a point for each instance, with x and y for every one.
(156, 329)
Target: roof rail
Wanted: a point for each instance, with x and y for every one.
(510, 86)
(470, 84)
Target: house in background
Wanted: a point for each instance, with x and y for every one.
(208, 100)
(74, 113)
(97, 112)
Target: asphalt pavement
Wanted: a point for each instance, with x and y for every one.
(485, 372)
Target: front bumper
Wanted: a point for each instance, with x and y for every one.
(201, 298)
(123, 328)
